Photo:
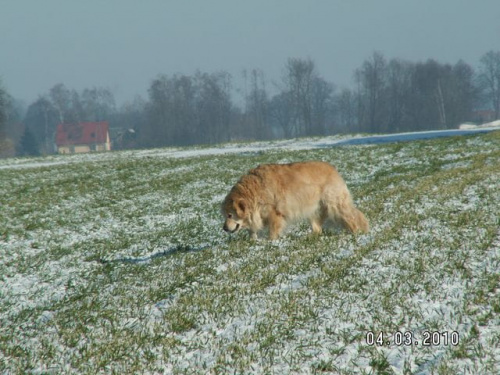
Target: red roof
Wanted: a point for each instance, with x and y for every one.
(82, 133)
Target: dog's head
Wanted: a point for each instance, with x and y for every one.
(235, 212)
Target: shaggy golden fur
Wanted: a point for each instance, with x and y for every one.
(273, 195)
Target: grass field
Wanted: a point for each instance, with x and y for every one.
(117, 263)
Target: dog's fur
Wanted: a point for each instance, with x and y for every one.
(272, 195)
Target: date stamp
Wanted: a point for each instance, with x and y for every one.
(408, 338)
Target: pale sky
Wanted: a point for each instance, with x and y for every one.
(125, 44)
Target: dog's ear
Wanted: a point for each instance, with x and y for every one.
(242, 205)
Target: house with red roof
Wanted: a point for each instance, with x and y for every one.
(83, 137)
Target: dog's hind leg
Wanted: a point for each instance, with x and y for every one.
(318, 219)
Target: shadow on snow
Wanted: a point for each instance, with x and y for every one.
(140, 260)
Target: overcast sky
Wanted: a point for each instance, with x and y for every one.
(124, 44)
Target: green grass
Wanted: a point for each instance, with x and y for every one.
(117, 263)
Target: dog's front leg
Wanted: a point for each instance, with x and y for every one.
(276, 224)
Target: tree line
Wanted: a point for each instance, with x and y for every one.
(205, 108)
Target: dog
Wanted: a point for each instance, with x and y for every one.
(273, 195)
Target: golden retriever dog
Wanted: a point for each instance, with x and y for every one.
(273, 195)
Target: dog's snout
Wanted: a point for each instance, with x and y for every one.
(226, 229)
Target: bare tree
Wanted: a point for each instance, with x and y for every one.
(185, 110)
(490, 78)
(443, 95)
(298, 81)
(256, 105)
(213, 107)
(371, 83)
(61, 99)
(6, 145)
(157, 131)
(347, 110)
(322, 106)
(464, 93)
(399, 87)
(3, 113)
(430, 95)
(96, 104)
(281, 113)
(42, 119)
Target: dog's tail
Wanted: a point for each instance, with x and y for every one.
(354, 220)
(341, 209)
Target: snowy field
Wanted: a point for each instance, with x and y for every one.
(116, 263)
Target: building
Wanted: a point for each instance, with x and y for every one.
(483, 116)
(83, 137)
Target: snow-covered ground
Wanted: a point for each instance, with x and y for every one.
(293, 144)
(116, 263)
